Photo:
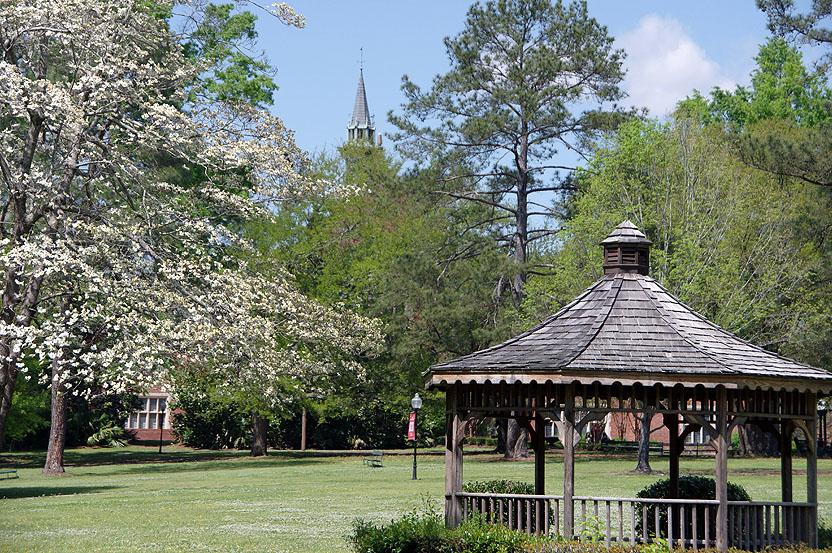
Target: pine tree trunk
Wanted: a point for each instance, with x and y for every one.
(643, 464)
(57, 431)
(260, 435)
(517, 443)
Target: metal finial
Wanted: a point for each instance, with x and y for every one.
(361, 60)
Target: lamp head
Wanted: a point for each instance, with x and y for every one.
(416, 402)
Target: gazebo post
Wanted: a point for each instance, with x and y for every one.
(812, 468)
(567, 438)
(539, 456)
(453, 458)
(786, 431)
(672, 424)
(721, 443)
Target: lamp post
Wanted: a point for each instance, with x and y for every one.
(416, 403)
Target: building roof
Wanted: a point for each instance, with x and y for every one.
(361, 110)
(627, 328)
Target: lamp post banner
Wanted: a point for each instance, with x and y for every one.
(411, 427)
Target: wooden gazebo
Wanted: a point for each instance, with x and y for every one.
(627, 345)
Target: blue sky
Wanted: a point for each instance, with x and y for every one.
(673, 47)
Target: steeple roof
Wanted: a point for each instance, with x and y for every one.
(361, 111)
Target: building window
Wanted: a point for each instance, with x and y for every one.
(697, 437)
(151, 414)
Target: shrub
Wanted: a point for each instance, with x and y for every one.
(109, 436)
(425, 532)
(824, 534)
(499, 486)
(492, 512)
(413, 533)
(690, 487)
(374, 422)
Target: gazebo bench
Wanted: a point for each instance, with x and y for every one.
(375, 459)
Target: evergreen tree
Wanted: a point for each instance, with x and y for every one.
(531, 83)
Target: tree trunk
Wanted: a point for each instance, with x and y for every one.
(57, 431)
(260, 435)
(756, 441)
(517, 443)
(6, 392)
(303, 430)
(502, 426)
(643, 464)
(521, 237)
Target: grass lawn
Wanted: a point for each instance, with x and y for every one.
(126, 500)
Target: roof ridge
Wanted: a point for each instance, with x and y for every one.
(535, 328)
(600, 319)
(731, 334)
(660, 309)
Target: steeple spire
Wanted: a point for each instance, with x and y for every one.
(361, 125)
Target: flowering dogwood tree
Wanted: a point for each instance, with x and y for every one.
(115, 267)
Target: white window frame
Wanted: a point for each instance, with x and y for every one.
(146, 417)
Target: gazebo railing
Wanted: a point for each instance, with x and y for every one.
(752, 526)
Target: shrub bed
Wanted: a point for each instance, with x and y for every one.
(425, 532)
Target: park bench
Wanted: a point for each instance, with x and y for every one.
(615, 446)
(8, 474)
(375, 459)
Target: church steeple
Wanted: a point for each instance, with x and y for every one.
(361, 125)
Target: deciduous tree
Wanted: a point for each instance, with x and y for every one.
(114, 267)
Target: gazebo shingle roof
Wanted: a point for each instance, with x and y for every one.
(627, 325)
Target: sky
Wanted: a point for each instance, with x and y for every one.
(672, 48)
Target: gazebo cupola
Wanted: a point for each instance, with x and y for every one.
(626, 250)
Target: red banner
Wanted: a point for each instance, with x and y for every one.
(411, 427)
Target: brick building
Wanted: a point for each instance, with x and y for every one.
(151, 421)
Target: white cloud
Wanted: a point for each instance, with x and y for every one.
(664, 65)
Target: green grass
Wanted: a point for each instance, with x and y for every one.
(126, 500)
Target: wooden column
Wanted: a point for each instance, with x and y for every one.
(721, 443)
(786, 431)
(812, 468)
(567, 438)
(672, 424)
(539, 455)
(453, 457)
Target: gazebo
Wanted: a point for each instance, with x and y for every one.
(627, 345)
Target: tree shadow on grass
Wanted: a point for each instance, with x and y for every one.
(194, 465)
(98, 457)
(20, 492)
